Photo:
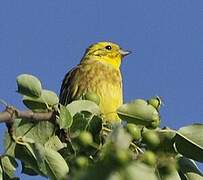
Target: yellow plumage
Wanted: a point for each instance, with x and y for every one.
(98, 72)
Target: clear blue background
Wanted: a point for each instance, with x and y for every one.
(47, 38)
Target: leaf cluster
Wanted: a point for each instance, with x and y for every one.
(80, 144)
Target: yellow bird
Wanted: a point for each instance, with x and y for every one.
(98, 72)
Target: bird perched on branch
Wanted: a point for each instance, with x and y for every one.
(98, 72)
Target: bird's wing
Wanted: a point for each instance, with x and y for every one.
(68, 90)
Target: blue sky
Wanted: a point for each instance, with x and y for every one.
(47, 38)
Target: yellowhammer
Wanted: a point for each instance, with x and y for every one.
(98, 72)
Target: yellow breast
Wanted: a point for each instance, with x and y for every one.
(106, 82)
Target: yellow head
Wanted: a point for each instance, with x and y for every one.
(106, 52)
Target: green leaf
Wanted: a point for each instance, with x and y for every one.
(193, 132)
(95, 125)
(139, 112)
(80, 122)
(40, 132)
(9, 144)
(167, 140)
(35, 104)
(189, 141)
(56, 166)
(47, 98)
(65, 118)
(29, 85)
(188, 169)
(54, 143)
(8, 165)
(83, 105)
(27, 169)
(32, 155)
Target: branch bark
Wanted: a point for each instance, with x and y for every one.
(11, 113)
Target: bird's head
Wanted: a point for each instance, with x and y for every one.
(106, 52)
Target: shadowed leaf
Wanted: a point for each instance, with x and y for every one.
(188, 169)
(189, 141)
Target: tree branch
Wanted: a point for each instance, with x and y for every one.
(11, 113)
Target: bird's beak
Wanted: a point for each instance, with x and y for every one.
(123, 52)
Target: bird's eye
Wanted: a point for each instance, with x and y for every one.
(108, 47)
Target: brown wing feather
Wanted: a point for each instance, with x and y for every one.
(66, 92)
